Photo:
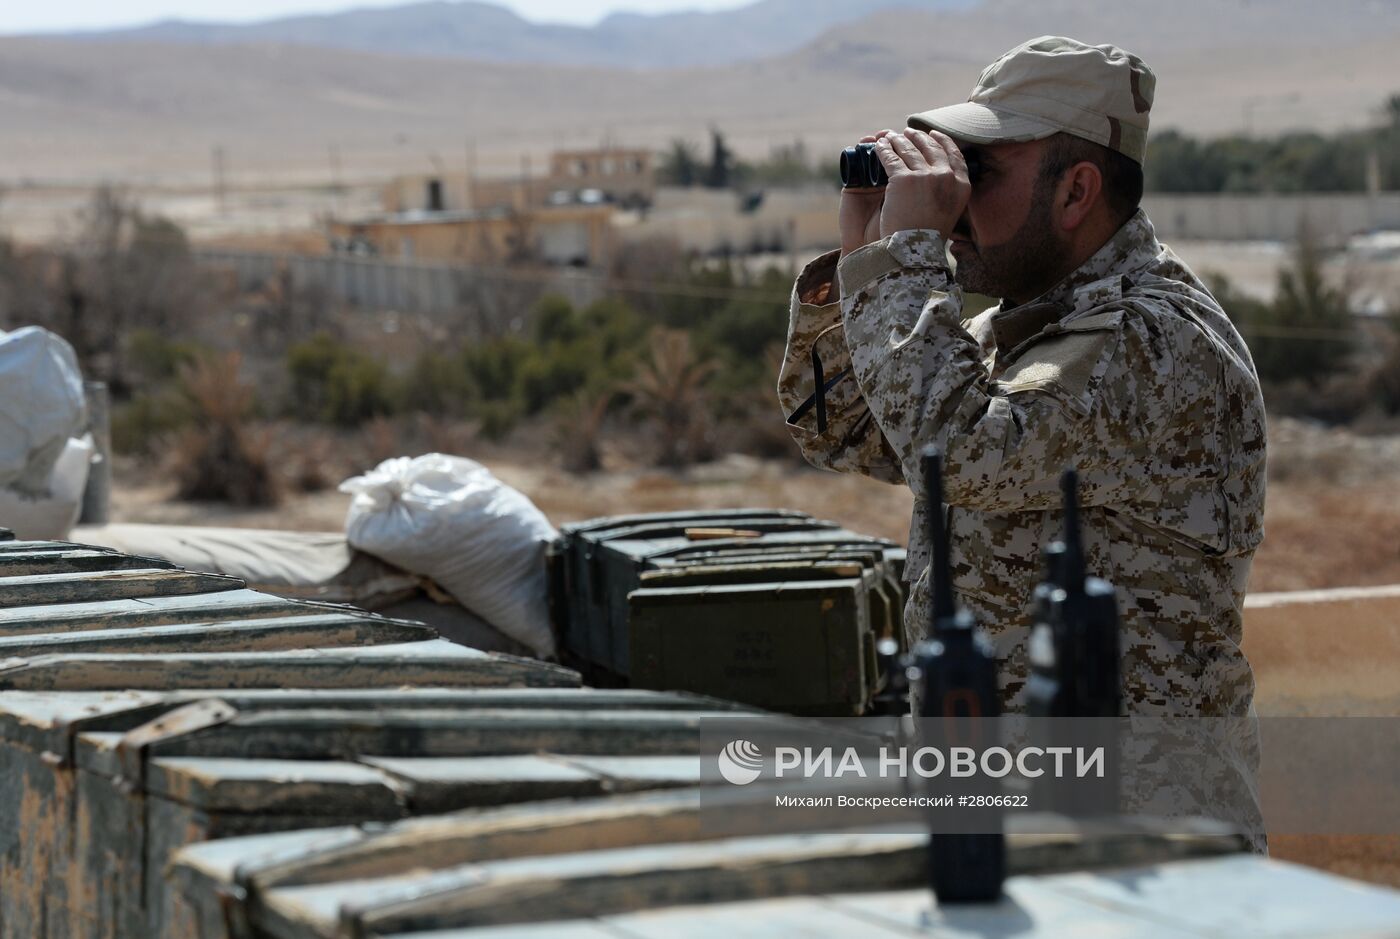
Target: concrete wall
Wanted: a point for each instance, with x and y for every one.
(709, 221)
(805, 220)
(1271, 217)
(407, 286)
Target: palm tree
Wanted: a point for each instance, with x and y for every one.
(579, 429)
(669, 389)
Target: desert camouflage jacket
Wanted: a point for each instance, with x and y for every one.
(1128, 369)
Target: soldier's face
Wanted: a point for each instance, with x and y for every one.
(1006, 244)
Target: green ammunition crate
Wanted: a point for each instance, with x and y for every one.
(887, 591)
(804, 647)
(597, 565)
(593, 555)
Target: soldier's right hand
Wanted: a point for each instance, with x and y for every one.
(859, 219)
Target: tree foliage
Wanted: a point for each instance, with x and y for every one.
(1295, 162)
(1301, 336)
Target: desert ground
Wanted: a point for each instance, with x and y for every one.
(1332, 512)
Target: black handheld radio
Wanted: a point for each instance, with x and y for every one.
(1074, 654)
(960, 701)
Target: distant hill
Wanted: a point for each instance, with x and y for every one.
(491, 33)
(154, 110)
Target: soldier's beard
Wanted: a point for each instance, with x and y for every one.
(1024, 266)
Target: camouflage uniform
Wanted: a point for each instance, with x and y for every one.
(1130, 371)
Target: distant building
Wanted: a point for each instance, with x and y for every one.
(575, 235)
(624, 177)
(440, 193)
(613, 175)
(563, 217)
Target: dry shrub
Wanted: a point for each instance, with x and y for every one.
(313, 464)
(381, 440)
(578, 431)
(759, 426)
(669, 390)
(220, 458)
(760, 431)
(444, 435)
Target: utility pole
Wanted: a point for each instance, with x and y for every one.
(337, 185)
(220, 180)
(470, 202)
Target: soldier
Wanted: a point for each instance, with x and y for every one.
(1105, 352)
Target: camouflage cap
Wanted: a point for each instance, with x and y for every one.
(1052, 85)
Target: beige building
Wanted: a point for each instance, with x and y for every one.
(572, 235)
(624, 177)
(562, 217)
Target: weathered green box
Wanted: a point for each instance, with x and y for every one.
(804, 647)
(644, 866)
(95, 622)
(100, 788)
(589, 565)
(598, 564)
(887, 595)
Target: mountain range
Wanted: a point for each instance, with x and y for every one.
(143, 109)
(488, 32)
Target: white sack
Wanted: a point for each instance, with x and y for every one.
(448, 518)
(41, 406)
(51, 516)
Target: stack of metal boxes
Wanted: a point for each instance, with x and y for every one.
(640, 867)
(145, 710)
(143, 707)
(768, 607)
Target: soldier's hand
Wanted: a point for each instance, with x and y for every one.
(860, 210)
(928, 185)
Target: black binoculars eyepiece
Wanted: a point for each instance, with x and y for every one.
(861, 168)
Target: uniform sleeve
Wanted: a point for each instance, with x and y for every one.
(1006, 441)
(817, 389)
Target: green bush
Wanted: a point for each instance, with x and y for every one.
(497, 418)
(1303, 335)
(156, 359)
(337, 384)
(140, 423)
(555, 372)
(571, 351)
(438, 384)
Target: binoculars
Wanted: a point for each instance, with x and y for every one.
(861, 168)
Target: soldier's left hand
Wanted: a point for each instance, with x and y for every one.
(928, 185)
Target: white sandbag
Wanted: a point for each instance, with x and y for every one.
(449, 518)
(41, 406)
(51, 515)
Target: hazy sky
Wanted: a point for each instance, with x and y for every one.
(19, 17)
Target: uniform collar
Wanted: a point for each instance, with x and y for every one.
(1099, 279)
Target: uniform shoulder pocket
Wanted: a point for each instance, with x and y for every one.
(1067, 363)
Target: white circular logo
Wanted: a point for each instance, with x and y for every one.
(740, 762)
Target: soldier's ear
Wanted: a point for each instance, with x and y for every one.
(1078, 194)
